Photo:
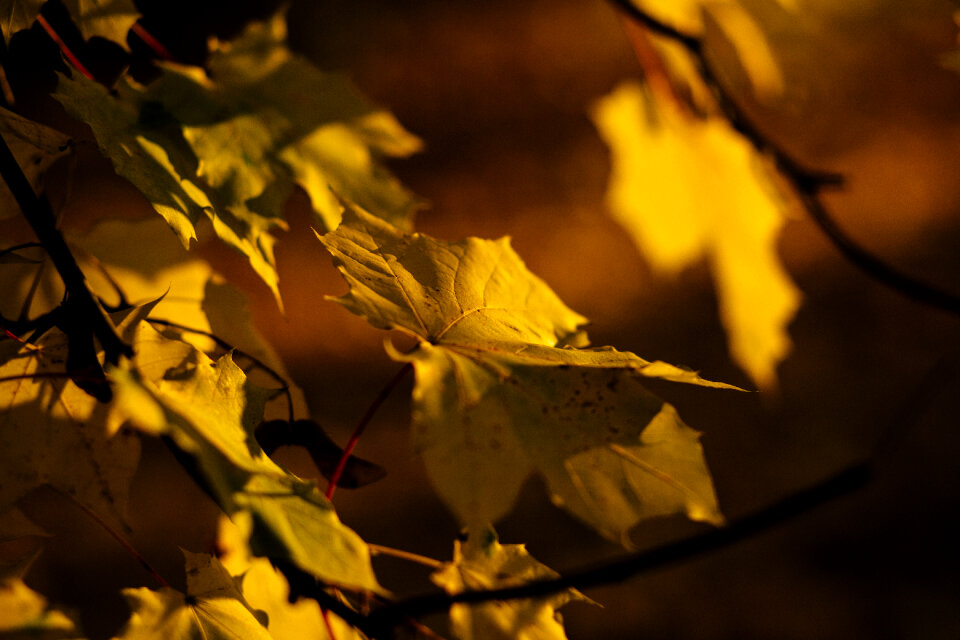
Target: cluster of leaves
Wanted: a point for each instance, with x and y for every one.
(506, 384)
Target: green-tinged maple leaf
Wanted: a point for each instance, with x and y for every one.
(16, 15)
(688, 188)
(266, 589)
(265, 115)
(500, 394)
(229, 146)
(110, 19)
(25, 614)
(35, 146)
(52, 433)
(209, 409)
(482, 563)
(149, 157)
(212, 608)
(146, 263)
(149, 150)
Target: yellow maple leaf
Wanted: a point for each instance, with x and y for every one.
(688, 188)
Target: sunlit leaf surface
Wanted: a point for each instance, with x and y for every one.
(25, 614)
(212, 608)
(209, 409)
(483, 563)
(688, 188)
(265, 589)
(502, 393)
(229, 142)
(110, 19)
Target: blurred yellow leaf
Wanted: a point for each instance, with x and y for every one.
(687, 188)
(24, 613)
(725, 22)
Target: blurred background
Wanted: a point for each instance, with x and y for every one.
(499, 91)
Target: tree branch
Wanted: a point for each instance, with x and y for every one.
(79, 298)
(806, 183)
(381, 622)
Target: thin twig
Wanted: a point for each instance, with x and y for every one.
(358, 430)
(152, 42)
(223, 344)
(794, 505)
(74, 60)
(378, 550)
(79, 298)
(807, 184)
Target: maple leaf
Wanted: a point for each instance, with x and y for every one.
(146, 149)
(36, 147)
(687, 188)
(266, 589)
(52, 433)
(24, 613)
(229, 146)
(17, 15)
(500, 393)
(212, 607)
(264, 115)
(209, 409)
(146, 264)
(110, 19)
(482, 563)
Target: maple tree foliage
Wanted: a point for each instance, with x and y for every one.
(107, 344)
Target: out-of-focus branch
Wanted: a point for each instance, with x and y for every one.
(807, 184)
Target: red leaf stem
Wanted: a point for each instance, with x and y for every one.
(64, 49)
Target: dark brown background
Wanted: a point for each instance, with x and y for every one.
(499, 92)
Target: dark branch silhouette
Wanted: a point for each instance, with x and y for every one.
(380, 623)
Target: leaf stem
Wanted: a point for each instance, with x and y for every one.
(119, 538)
(807, 184)
(152, 42)
(74, 60)
(377, 550)
(362, 425)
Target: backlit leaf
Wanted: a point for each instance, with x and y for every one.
(209, 409)
(147, 263)
(25, 614)
(501, 394)
(265, 589)
(52, 433)
(482, 563)
(149, 157)
(229, 144)
(688, 188)
(36, 147)
(723, 24)
(110, 19)
(212, 608)
(265, 115)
